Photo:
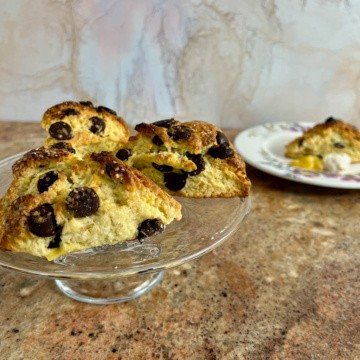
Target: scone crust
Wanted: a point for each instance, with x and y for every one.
(324, 138)
(38, 157)
(203, 135)
(77, 115)
(173, 148)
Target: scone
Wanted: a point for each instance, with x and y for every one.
(84, 127)
(58, 203)
(332, 136)
(190, 159)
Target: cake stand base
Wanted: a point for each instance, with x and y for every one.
(109, 291)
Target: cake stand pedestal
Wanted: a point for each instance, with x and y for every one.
(109, 291)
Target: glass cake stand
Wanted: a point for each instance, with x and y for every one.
(121, 272)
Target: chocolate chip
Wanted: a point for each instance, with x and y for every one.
(115, 170)
(301, 141)
(150, 227)
(221, 139)
(83, 201)
(330, 120)
(46, 180)
(97, 125)
(162, 168)
(64, 146)
(175, 181)
(60, 130)
(55, 242)
(221, 152)
(198, 160)
(41, 221)
(339, 145)
(180, 132)
(123, 154)
(157, 140)
(138, 126)
(105, 109)
(109, 169)
(69, 112)
(167, 123)
(86, 103)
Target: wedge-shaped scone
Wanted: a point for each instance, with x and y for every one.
(58, 204)
(84, 127)
(190, 159)
(331, 136)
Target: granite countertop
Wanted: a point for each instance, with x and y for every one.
(285, 286)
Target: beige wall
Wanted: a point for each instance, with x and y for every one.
(234, 63)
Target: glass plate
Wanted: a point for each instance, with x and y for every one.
(206, 224)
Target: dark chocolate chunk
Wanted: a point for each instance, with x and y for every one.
(221, 139)
(41, 221)
(221, 152)
(97, 125)
(69, 112)
(46, 180)
(162, 168)
(301, 141)
(157, 140)
(115, 170)
(60, 130)
(339, 145)
(55, 242)
(175, 181)
(330, 120)
(86, 103)
(150, 227)
(109, 169)
(105, 109)
(198, 160)
(123, 154)
(167, 123)
(138, 126)
(64, 146)
(180, 132)
(83, 201)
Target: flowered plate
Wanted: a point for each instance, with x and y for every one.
(263, 147)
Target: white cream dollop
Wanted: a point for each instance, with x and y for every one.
(336, 162)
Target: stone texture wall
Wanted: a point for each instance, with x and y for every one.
(235, 63)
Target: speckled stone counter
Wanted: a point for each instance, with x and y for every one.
(285, 286)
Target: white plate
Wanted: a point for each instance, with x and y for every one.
(263, 147)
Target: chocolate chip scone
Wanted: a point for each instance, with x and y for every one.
(58, 203)
(84, 127)
(331, 136)
(190, 159)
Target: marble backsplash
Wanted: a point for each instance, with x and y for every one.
(235, 63)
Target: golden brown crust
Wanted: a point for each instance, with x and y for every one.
(347, 130)
(58, 112)
(201, 134)
(37, 157)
